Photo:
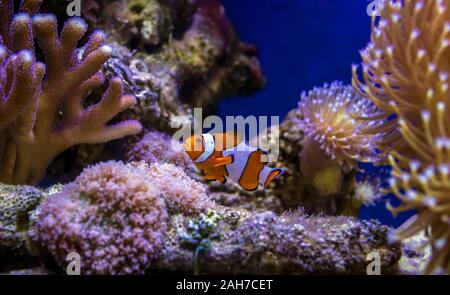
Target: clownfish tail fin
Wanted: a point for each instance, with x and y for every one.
(271, 174)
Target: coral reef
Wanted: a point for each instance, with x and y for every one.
(188, 50)
(266, 243)
(197, 60)
(115, 216)
(51, 118)
(218, 241)
(112, 215)
(151, 214)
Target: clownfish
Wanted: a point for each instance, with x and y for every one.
(225, 156)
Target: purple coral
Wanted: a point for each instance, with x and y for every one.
(46, 116)
(182, 193)
(158, 147)
(112, 215)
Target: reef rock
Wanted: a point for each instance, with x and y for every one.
(236, 241)
(212, 240)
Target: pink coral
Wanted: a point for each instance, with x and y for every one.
(47, 116)
(182, 193)
(158, 147)
(112, 215)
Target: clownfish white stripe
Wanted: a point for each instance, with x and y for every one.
(208, 142)
(241, 154)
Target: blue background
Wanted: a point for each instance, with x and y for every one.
(302, 44)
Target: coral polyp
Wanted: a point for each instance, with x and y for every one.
(112, 215)
(330, 116)
(407, 63)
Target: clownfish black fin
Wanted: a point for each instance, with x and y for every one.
(274, 174)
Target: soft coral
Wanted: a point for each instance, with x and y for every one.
(41, 116)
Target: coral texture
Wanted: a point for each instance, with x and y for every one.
(15, 204)
(196, 57)
(236, 241)
(48, 116)
(112, 215)
(158, 147)
(182, 193)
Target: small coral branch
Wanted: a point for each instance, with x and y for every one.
(44, 120)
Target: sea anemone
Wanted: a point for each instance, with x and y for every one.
(328, 115)
(406, 69)
(423, 184)
(335, 138)
(406, 65)
(112, 215)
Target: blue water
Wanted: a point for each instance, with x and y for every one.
(302, 43)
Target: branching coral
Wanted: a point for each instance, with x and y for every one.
(112, 215)
(44, 120)
(407, 64)
(334, 136)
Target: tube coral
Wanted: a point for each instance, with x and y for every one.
(112, 215)
(406, 64)
(334, 136)
(46, 117)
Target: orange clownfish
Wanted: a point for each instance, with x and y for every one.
(227, 155)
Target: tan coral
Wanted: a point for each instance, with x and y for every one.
(57, 118)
